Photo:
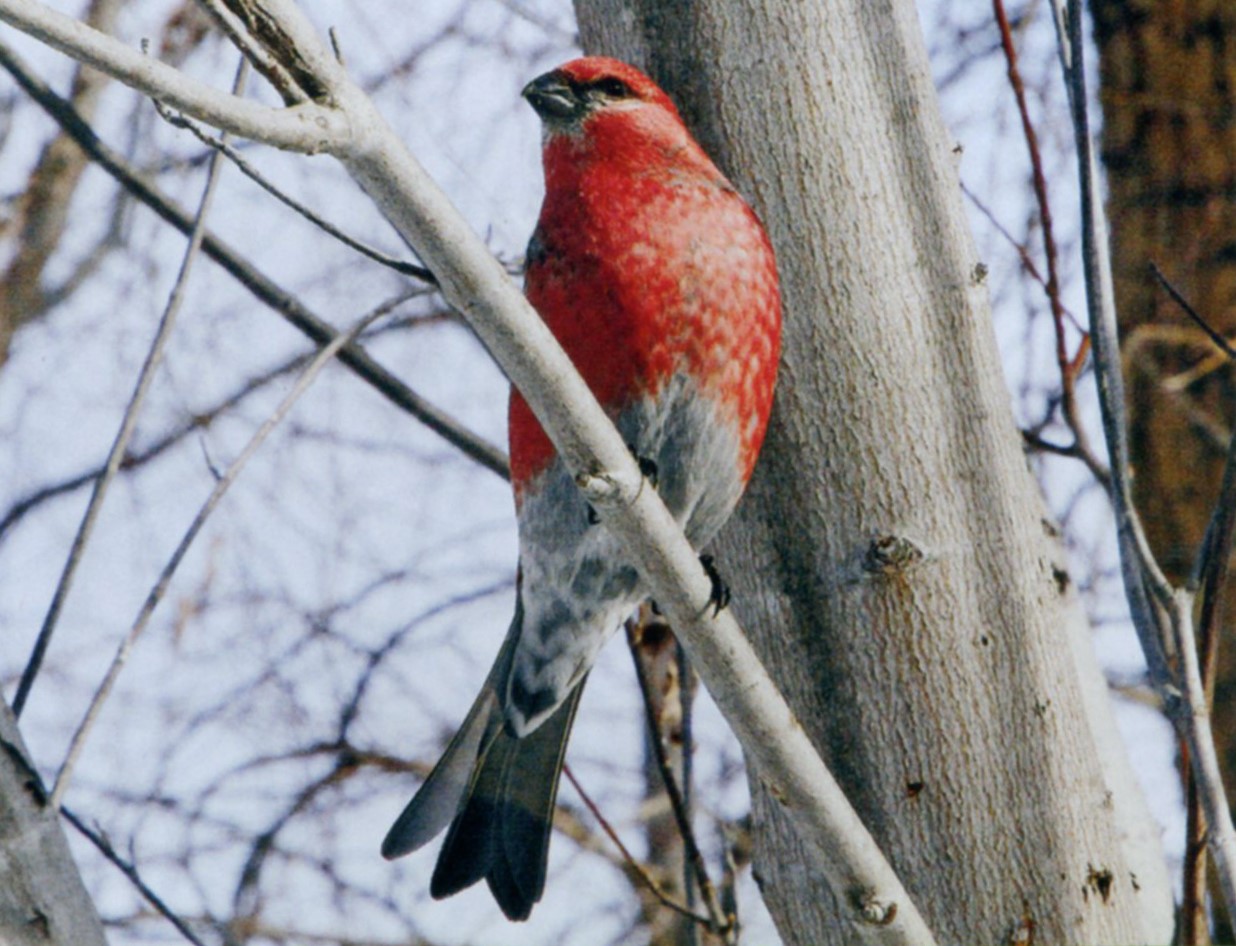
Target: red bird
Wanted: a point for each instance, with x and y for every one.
(660, 283)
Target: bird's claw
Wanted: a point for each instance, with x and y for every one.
(647, 466)
(719, 598)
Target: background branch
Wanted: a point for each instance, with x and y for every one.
(128, 423)
(262, 288)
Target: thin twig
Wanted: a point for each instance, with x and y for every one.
(199, 420)
(1223, 344)
(1068, 377)
(283, 304)
(154, 357)
(129, 869)
(156, 594)
(632, 863)
(1146, 588)
(234, 155)
(1027, 261)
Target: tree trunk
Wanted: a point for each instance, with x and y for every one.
(892, 560)
(1168, 97)
(41, 213)
(42, 899)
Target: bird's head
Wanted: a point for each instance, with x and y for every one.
(570, 95)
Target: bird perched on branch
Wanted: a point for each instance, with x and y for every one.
(660, 283)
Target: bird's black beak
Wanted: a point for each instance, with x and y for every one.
(554, 99)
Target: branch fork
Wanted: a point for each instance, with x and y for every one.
(611, 489)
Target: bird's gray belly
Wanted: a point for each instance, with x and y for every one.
(577, 586)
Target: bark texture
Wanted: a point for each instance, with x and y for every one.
(42, 899)
(892, 559)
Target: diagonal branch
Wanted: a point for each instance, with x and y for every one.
(129, 869)
(157, 592)
(124, 434)
(262, 288)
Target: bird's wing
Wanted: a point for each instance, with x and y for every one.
(443, 793)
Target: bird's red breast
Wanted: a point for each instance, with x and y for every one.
(647, 263)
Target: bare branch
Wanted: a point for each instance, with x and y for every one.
(303, 128)
(629, 858)
(120, 444)
(282, 303)
(160, 587)
(638, 638)
(129, 869)
(223, 146)
(1222, 343)
(1068, 375)
(1145, 585)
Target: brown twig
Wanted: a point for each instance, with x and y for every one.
(635, 865)
(1068, 374)
(1191, 927)
(1027, 261)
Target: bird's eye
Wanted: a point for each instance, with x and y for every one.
(612, 87)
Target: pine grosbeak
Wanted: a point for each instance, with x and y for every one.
(660, 283)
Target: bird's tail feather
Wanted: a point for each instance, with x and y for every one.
(438, 800)
(501, 832)
(497, 792)
(442, 795)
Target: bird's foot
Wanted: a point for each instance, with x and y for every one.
(720, 596)
(647, 466)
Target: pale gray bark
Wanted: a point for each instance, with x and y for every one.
(42, 899)
(892, 558)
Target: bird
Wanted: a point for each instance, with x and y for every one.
(660, 283)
